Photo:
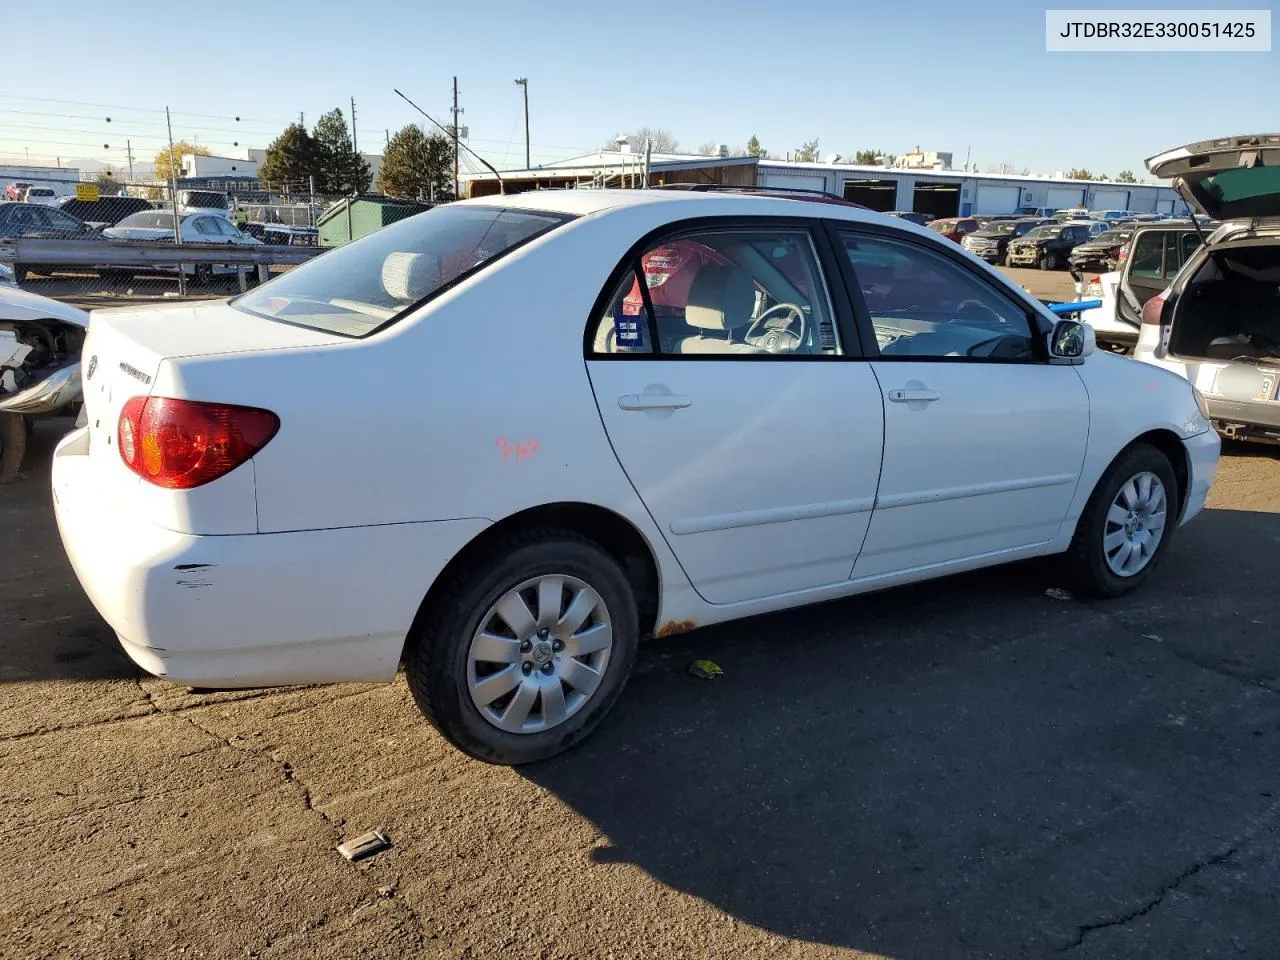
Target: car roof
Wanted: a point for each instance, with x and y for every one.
(694, 203)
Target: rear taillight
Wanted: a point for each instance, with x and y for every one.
(182, 444)
(1154, 308)
(1123, 254)
(1094, 287)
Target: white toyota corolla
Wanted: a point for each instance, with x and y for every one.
(501, 441)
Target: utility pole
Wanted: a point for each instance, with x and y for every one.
(302, 119)
(354, 147)
(128, 152)
(173, 186)
(455, 138)
(524, 82)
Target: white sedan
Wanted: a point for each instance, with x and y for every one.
(502, 441)
(157, 226)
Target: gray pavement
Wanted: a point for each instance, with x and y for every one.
(968, 768)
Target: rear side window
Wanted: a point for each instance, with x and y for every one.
(354, 289)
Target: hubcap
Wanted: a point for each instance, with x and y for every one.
(539, 654)
(1135, 524)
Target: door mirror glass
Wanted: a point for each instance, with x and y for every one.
(1071, 340)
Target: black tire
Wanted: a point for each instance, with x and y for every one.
(1049, 261)
(117, 276)
(13, 444)
(20, 273)
(438, 646)
(1085, 561)
(203, 274)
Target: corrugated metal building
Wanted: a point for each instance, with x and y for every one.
(942, 193)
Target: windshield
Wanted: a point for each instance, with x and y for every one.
(207, 199)
(1113, 236)
(150, 218)
(998, 228)
(943, 226)
(359, 287)
(1043, 233)
(1023, 227)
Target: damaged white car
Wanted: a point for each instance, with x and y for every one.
(1218, 321)
(40, 341)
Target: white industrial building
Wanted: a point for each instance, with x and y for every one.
(195, 165)
(939, 192)
(62, 180)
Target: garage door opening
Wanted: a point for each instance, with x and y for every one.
(880, 195)
(939, 199)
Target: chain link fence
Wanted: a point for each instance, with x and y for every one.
(93, 251)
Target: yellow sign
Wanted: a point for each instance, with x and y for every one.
(86, 191)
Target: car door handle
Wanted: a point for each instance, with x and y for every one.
(914, 396)
(654, 401)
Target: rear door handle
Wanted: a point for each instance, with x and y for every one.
(654, 401)
(914, 396)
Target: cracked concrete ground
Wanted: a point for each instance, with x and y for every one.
(956, 770)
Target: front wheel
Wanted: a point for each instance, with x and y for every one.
(1126, 526)
(523, 651)
(1049, 261)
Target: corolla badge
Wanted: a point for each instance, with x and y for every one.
(93, 365)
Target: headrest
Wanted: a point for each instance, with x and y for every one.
(720, 298)
(410, 276)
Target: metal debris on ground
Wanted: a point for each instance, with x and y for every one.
(365, 845)
(1057, 593)
(705, 669)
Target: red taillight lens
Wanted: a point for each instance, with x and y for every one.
(1124, 253)
(1153, 308)
(182, 444)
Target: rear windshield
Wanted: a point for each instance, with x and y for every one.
(163, 221)
(356, 288)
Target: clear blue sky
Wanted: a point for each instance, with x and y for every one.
(945, 75)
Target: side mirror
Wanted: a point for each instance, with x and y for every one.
(1071, 341)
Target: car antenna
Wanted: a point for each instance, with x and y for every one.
(454, 133)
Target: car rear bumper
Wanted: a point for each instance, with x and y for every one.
(1246, 420)
(252, 610)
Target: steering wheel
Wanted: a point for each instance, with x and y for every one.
(780, 339)
(995, 318)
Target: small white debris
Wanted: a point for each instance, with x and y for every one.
(1152, 636)
(1058, 593)
(365, 845)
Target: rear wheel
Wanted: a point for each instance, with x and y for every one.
(204, 274)
(20, 272)
(1126, 526)
(13, 444)
(524, 650)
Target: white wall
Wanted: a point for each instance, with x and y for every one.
(197, 166)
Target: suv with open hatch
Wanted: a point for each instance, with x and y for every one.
(1218, 321)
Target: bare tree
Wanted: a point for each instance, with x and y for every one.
(708, 149)
(661, 140)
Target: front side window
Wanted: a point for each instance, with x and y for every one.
(924, 306)
(360, 286)
(746, 292)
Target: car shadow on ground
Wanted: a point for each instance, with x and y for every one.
(964, 768)
(48, 628)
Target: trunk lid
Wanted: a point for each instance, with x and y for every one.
(1227, 178)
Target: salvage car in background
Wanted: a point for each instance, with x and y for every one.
(1102, 252)
(617, 472)
(38, 221)
(991, 243)
(40, 341)
(1046, 246)
(954, 228)
(1218, 321)
(157, 226)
